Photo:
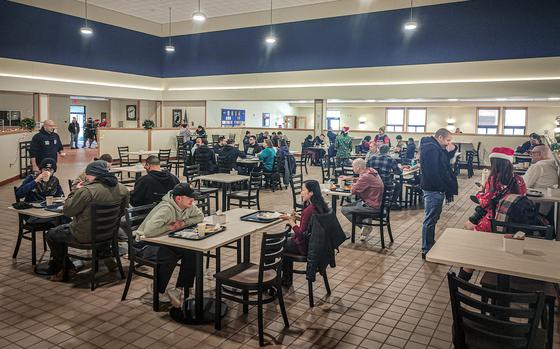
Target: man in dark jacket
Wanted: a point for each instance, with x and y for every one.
(229, 154)
(438, 181)
(154, 185)
(74, 129)
(253, 148)
(45, 144)
(101, 187)
(205, 157)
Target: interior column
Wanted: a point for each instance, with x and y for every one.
(320, 110)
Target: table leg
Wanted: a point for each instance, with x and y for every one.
(246, 259)
(199, 310)
(333, 202)
(225, 189)
(556, 220)
(401, 181)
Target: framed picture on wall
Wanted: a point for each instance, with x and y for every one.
(131, 112)
(177, 117)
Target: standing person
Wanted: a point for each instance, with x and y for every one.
(343, 146)
(88, 132)
(45, 144)
(151, 187)
(246, 140)
(381, 138)
(368, 187)
(267, 155)
(438, 181)
(331, 136)
(74, 129)
(102, 187)
(94, 132)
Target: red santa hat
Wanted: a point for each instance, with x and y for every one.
(346, 129)
(502, 153)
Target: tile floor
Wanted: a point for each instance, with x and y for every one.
(380, 299)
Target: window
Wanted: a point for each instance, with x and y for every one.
(515, 120)
(487, 123)
(333, 119)
(416, 119)
(395, 119)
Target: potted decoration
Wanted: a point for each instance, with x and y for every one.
(148, 124)
(28, 124)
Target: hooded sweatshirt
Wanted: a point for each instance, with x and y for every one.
(435, 161)
(165, 213)
(149, 188)
(228, 156)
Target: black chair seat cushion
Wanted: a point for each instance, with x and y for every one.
(295, 257)
(206, 190)
(246, 274)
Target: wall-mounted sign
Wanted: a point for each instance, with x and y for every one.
(233, 117)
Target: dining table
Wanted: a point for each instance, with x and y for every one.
(547, 196)
(226, 180)
(201, 310)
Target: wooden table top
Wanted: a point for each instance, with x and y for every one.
(127, 169)
(248, 160)
(235, 230)
(223, 178)
(144, 152)
(37, 212)
(484, 251)
(555, 197)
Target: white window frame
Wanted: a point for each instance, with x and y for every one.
(479, 127)
(416, 128)
(395, 127)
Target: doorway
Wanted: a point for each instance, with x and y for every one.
(79, 112)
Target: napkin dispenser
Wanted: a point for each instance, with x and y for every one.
(514, 243)
(219, 218)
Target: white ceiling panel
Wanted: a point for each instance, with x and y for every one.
(158, 10)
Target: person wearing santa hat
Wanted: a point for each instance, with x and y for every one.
(501, 181)
(343, 147)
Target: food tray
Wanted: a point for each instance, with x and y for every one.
(192, 230)
(43, 204)
(253, 217)
(535, 193)
(341, 190)
(54, 208)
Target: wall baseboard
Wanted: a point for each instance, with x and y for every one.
(9, 180)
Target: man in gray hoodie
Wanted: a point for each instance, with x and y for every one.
(176, 210)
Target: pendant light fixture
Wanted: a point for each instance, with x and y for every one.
(270, 38)
(411, 24)
(199, 16)
(86, 30)
(169, 48)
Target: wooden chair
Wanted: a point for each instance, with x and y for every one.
(478, 324)
(379, 219)
(249, 197)
(104, 229)
(476, 156)
(133, 219)
(179, 161)
(303, 160)
(523, 285)
(191, 172)
(257, 278)
(164, 155)
(28, 231)
(296, 183)
(124, 156)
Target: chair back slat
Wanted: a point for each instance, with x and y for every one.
(479, 324)
(124, 156)
(296, 184)
(191, 171)
(272, 252)
(534, 231)
(164, 155)
(255, 183)
(105, 219)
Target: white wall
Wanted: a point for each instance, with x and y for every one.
(118, 113)
(59, 111)
(195, 112)
(9, 156)
(111, 138)
(17, 101)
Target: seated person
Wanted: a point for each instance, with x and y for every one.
(308, 143)
(410, 149)
(534, 140)
(319, 141)
(267, 156)
(364, 146)
(500, 182)
(197, 143)
(253, 148)
(228, 156)
(220, 145)
(176, 210)
(368, 188)
(101, 187)
(314, 204)
(151, 187)
(542, 174)
(283, 149)
(385, 165)
(200, 132)
(372, 151)
(82, 177)
(204, 157)
(37, 188)
(400, 144)
(274, 138)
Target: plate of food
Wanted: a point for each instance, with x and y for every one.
(191, 233)
(534, 193)
(261, 216)
(267, 215)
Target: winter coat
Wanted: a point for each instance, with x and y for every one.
(437, 173)
(149, 188)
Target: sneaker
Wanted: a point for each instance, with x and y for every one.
(366, 230)
(163, 298)
(175, 296)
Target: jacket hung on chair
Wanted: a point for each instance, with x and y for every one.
(150, 188)
(79, 202)
(324, 236)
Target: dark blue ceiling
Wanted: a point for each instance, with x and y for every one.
(456, 32)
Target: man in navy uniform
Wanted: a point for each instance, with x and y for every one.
(45, 144)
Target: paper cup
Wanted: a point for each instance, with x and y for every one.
(201, 229)
(49, 200)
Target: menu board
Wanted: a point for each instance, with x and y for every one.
(233, 117)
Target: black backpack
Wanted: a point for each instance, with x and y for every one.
(513, 208)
